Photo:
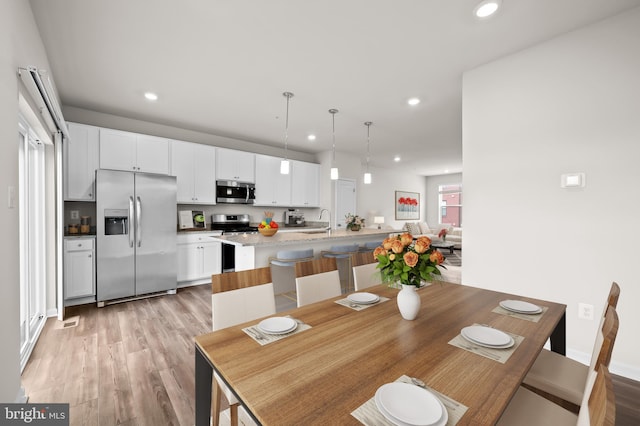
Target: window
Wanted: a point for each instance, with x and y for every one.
(450, 203)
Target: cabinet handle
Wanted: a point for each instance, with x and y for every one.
(89, 255)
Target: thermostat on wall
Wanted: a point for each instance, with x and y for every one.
(572, 180)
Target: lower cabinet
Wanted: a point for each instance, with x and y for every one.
(79, 270)
(199, 257)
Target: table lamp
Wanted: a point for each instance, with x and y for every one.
(379, 220)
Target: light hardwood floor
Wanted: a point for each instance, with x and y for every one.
(133, 363)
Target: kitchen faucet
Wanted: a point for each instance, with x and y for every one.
(329, 213)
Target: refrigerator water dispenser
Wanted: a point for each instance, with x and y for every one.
(116, 222)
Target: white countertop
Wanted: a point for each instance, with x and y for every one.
(284, 238)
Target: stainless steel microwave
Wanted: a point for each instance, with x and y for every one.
(234, 192)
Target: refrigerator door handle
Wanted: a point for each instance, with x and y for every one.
(130, 221)
(138, 227)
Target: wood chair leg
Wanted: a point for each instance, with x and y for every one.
(217, 395)
(233, 411)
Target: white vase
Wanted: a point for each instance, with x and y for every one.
(408, 302)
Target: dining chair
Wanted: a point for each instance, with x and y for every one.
(452, 274)
(561, 379)
(366, 275)
(597, 406)
(317, 280)
(238, 297)
(343, 255)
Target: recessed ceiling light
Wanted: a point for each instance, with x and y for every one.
(446, 170)
(486, 8)
(311, 137)
(413, 101)
(396, 158)
(151, 96)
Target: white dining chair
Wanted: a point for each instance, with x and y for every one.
(366, 275)
(562, 378)
(597, 407)
(317, 280)
(238, 297)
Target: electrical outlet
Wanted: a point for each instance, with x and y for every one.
(585, 311)
(75, 214)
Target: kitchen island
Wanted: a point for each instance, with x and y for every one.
(254, 250)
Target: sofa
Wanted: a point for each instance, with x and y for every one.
(418, 229)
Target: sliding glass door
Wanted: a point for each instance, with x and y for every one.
(32, 239)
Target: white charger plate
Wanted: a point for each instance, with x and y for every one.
(405, 404)
(363, 298)
(520, 306)
(277, 325)
(487, 336)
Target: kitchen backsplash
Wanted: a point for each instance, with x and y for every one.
(256, 213)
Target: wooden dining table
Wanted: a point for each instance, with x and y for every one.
(322, 374)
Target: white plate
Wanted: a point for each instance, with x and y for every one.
(487, 336)
(363, 298)
(520, 306)
(277, 325)
(406, 404)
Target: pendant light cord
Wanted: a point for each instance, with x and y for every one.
(288, 95)
(333, 115)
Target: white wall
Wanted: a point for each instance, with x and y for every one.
(567, 105)
(432, 199)
(20, 45)
(376, 199)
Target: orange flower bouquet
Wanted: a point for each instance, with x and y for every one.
(401, 259)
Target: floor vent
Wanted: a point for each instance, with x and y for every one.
(68, 323)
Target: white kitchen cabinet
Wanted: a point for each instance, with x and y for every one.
(80, 161)
(194, 167)
(305, 184)
(272, 187)
(79, 270)
(199, 257)
(235, 165)
(133, 152)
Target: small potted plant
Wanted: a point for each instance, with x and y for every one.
(354, 222)
(443, 234)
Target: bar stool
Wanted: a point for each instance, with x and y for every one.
(284, 275)
(370, 246)
(343, 255)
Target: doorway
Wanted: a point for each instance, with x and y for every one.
(32, 223)
(345, 191)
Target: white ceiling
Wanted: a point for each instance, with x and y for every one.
(221, 66)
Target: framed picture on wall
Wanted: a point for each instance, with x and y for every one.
(407, 205)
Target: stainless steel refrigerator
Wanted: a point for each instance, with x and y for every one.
(136, 234)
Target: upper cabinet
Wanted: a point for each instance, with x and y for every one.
(133, 152)
(305, 184)
(194, 167)
(80, 153)
(272, 187)
(235, 165)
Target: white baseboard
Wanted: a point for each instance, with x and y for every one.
(52, 312)
(619, 368)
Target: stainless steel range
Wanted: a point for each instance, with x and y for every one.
(231, 224)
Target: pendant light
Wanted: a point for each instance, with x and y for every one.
(334, 167)
(367, 174)
(284, 164)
